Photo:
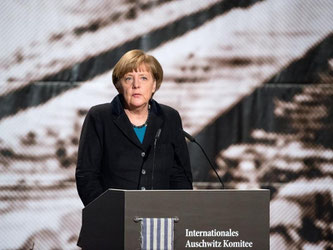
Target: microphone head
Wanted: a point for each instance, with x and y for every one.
(188, 136)
(158, 133)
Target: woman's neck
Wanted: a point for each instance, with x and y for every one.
(137, 116)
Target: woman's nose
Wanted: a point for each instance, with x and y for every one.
(136, 82)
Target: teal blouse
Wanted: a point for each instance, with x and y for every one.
(140, 132)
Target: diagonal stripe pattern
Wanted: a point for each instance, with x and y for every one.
(157, 233)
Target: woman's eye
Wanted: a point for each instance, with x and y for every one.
(144, 78)
(127, 79)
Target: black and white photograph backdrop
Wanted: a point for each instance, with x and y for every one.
(251, 79)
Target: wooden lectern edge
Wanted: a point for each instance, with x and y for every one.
(188, 190)
(178, 190)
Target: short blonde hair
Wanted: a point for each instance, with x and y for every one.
(132, 60)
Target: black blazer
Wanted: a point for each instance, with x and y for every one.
(111, 156)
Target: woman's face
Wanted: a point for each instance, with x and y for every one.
(137, 87)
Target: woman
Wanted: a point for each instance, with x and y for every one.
(132, 142)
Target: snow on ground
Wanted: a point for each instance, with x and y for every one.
(46, 57)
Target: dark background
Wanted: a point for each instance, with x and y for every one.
(251, 79)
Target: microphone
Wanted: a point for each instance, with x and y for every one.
(191, 139)
(157, 136)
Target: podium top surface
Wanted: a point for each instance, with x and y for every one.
(177, 194)
(191, 190)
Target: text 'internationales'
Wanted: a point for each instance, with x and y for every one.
(211, 233)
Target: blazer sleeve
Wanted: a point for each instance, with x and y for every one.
(88, 170)
(181, 174)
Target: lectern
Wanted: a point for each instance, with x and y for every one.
(206, 219)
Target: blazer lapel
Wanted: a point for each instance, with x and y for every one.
(125, 126)
(122, 122)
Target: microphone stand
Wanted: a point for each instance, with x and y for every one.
(157, 136)
(192, 139)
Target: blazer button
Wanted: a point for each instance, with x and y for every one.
(143, 188)
(143, 154)
(143, 171)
